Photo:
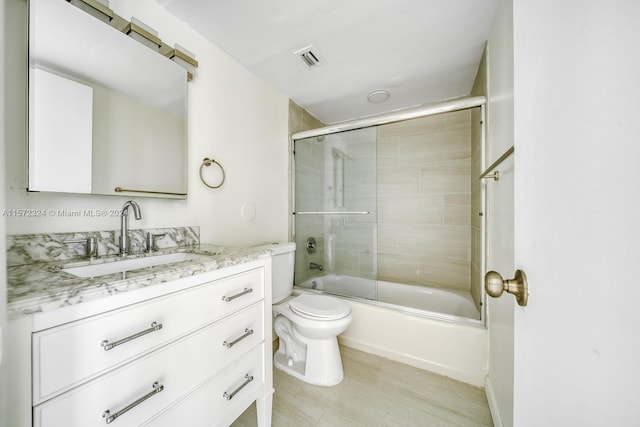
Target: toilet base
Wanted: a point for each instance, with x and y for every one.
(326, 372)
(295, 369)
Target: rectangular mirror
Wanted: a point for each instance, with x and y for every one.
(107, 115)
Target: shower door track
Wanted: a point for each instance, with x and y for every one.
(395, 116)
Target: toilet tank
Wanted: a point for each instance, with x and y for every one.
(283, 256)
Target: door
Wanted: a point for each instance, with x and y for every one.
(575, 126)
(500, 311)
(500, 214)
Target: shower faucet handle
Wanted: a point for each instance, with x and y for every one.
(311, 245)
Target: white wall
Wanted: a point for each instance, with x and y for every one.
(234, 117)
(577, 110)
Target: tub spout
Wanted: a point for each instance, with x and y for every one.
(314, 266)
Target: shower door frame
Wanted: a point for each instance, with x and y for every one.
(398, 116)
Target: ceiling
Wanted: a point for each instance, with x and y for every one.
(420, 51)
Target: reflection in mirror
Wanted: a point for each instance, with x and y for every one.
(105, 112)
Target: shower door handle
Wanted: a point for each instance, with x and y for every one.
(495, 285)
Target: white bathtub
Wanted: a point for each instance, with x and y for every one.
(454, 303)
(453, 344)
(343, 285)
(432, 300)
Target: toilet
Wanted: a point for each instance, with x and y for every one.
(308, 325)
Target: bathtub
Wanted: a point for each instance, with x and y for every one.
(433, 301)
(445, 301)
(448, 344)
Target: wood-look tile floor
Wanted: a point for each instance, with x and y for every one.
(375, 392)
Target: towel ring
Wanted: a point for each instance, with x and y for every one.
(208, 162)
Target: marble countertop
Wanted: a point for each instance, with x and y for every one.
(43, 286)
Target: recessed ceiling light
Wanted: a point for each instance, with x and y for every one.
(378, 96)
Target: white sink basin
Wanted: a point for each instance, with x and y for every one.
(118, 266)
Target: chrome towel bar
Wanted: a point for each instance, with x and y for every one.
(496, 175)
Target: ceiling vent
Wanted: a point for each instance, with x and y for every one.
(311, 58)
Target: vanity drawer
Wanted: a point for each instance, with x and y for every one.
(177, 368)
(70, 354)
(222, 395)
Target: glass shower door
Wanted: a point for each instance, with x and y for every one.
(336, 213)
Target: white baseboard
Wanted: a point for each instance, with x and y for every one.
(493, 403)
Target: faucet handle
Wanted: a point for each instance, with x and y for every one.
(92, 247)
(151, 241)
(91, 244)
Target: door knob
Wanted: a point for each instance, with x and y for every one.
(495, 285)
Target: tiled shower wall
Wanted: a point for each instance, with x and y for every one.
(424, 201)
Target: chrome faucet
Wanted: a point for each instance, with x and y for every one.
(124, 225)
(314, 266)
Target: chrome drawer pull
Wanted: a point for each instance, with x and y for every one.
(246, 291)
(157, 388)
(155, 326)
(247, 332)
(228, 396)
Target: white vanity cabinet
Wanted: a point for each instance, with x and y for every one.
(194, 351)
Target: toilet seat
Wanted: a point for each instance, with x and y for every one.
(319, 307)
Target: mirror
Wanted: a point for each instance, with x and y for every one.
(105, 111)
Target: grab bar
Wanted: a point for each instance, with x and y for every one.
(501, 159)
(332, 213)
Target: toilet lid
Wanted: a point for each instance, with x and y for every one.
(320, 306)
